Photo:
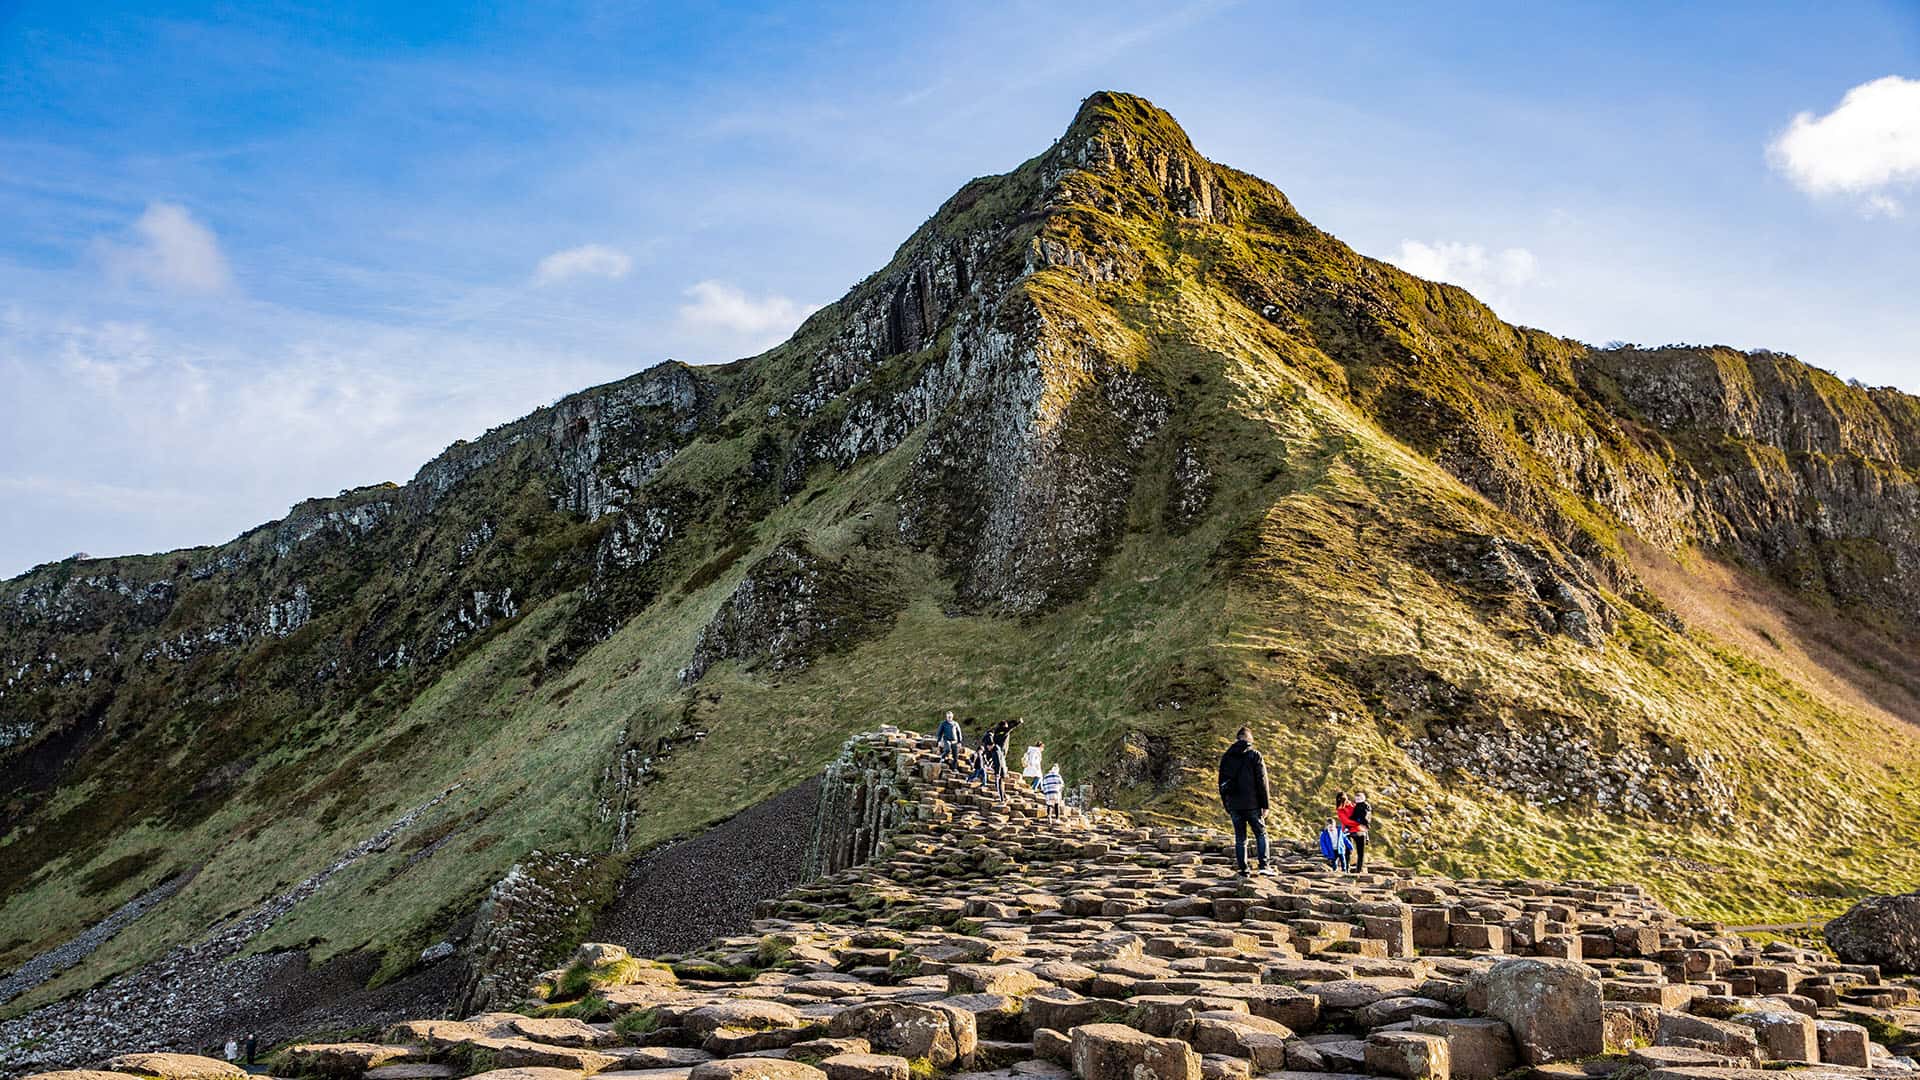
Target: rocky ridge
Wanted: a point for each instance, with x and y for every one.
(982, 941)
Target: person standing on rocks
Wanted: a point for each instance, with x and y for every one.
(1030, 764)
(1361, 815)
(1343, 831)
(1005, 727)
(1053, 788)
(1243, 792)
(948, 739)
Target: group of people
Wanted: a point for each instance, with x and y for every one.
(990, 762)
(1243, 793)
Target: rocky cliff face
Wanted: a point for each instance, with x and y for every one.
(1117, 442)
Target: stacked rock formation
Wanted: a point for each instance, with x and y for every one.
(982, 942)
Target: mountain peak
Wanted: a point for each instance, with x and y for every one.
(1112, 111)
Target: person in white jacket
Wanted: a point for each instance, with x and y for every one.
(1030, 764)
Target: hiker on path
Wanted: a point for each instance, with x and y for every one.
(1003, 734)
(253, 1047)
(1053, 788)
(1030, 764)
(1362, 813)
(233, 1050)
(948, 740)
(1343, 827)
(1243, 792)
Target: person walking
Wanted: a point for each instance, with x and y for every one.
(1343, 829)
(233, 1050)
(1030, 765)
(999, 762)
(1362, 814)
(947, 740)
(1243, 793)
(253, 1047)
(1053, 788)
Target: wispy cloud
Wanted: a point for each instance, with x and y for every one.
(1867, 147)
(224, 427)
(726, 312)
(587, 260)
(1470, 266)
(171, 250)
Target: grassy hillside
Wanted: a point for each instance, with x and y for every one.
(1118, 443)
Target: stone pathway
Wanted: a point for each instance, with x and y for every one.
(978, 941)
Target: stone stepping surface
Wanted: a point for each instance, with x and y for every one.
(959, 935)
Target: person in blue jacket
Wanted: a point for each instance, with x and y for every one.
(948, 740)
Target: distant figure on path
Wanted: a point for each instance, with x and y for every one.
(1030, 764)
(1343, 826)
(1243, 792)
(253, 1047)
(1362, 814)
(233, 1050)
(1003, 733)
(1053, 788)
(948, 739)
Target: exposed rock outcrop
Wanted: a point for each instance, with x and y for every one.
(1882, 930)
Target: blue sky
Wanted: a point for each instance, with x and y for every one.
(255, 252)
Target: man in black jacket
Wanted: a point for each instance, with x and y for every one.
(1243, 791)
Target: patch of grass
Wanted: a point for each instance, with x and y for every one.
(637, 1022)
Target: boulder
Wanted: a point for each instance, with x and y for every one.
(1722, 1037)
(174, 1066)
(943, 1036)
(1118, 1052)
(80, 1074)
(1479, 1048)
(1883, 930)
(1008, 979)
(1261, 1042)
(1842, 1043)
(1783, 1036)
(1053, 1046)
(865, 1067)
(1553, 1007)
(1409, 1055)
(1063, 1010)
(741, 1014)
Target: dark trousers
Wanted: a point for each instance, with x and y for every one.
(1359, 851)
(950, 753)
(1242, 821)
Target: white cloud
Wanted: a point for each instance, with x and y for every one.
(174, 252)
(1867, 145)
(1469, 266)
(250, 414)
(720, 310)
(587, 260)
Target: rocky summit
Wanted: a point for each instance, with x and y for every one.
(970, 937)
(1118, 442)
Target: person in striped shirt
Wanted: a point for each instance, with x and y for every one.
(1053, 788)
